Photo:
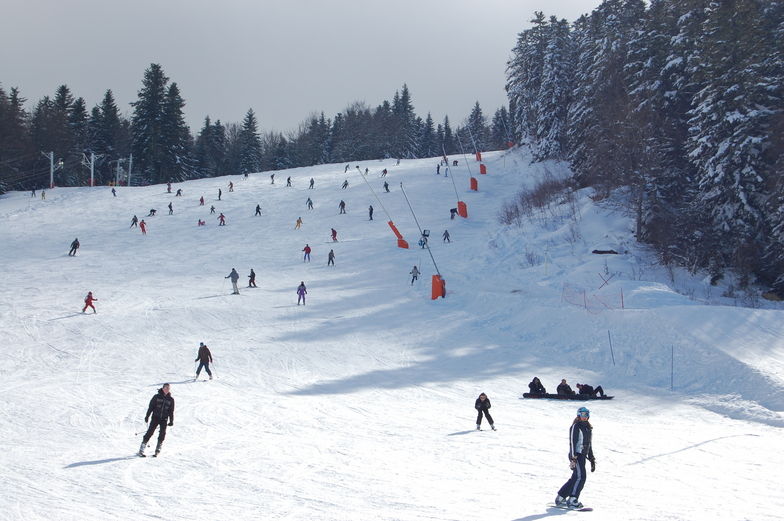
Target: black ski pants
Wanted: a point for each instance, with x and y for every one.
(487, 415)
(206, 366)
(575, 485)
(156, 422)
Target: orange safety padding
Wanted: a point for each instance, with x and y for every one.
(479, 156)
(401, 243)
(482, 169)
(474, 184)
(394, 229)
(510, 144)
(462, 209)
(437, 287)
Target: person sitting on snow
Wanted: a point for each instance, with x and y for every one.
(564, 388)
(589, 390)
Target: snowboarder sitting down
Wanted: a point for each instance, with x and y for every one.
(536, 386)
(564, 388)
(589, 390)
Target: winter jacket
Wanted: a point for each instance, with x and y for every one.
(482, 406)
(234, 276)
(301, 290)
(75, 244)
(88, 300)
(580, 440)
(565, 389)
(306, 249)
(204, 355)
(161, 407)
(536, 387)
(587, 389)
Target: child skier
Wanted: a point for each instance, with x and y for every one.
(301, 292)
(579, 450)
(88, 302)
(143, 227)
(161, 408)
(252, 279)
(482, 405)
(331, 258)
(414, 274)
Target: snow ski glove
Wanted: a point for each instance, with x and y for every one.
(593, 465)
(146, 419)
(572, 464)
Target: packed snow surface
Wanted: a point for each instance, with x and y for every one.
(359, 405)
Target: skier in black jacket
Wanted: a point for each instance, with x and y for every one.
(204, 357)
(482, 406)
(161, 409)
(579, 450)
(74, 246)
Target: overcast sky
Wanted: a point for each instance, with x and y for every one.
(283, 58)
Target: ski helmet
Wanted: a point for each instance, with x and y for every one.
(584, 411)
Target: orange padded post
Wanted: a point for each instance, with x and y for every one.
(483, 169)
(474, 184)
(401, 242)
(462, 209)
(479, 156)
(437, 287)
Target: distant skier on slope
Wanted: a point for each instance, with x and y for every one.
(342, 206)
(331, 258)
(334, 234)
(88, 302)
(580, 450)
(370, 212)
(298, 224)
(345, 184)
(171, 209)
(414, 274)
(222, 219)
(309, 204)
(311, 184)
(301, 292)
(288, 181)
(306, 257)
(445, 235)
(134, 221)
(252, 279)
(482, 405)
(386, 187)
(234, 276)
(161, 409)
(258, 210)
(143, 227)
(74, 246)
(204, 357)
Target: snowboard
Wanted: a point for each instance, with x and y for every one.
(564, 507)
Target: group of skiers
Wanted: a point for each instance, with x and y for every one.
(580, 449)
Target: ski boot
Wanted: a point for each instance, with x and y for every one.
(492, 426)
(573, 502)
(560, 501)
(478, 427)
(158, 451)
(141, 450)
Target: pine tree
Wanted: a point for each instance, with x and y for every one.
(250, 154)
(552, 100)
(729, 130)
(177, 164)
(147, 124)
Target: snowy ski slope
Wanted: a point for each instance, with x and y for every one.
(359, 405)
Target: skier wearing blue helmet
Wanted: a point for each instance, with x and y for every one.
(579, 451)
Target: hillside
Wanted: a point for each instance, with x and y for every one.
(359, 405)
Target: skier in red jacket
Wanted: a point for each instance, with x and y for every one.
(88, 302)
